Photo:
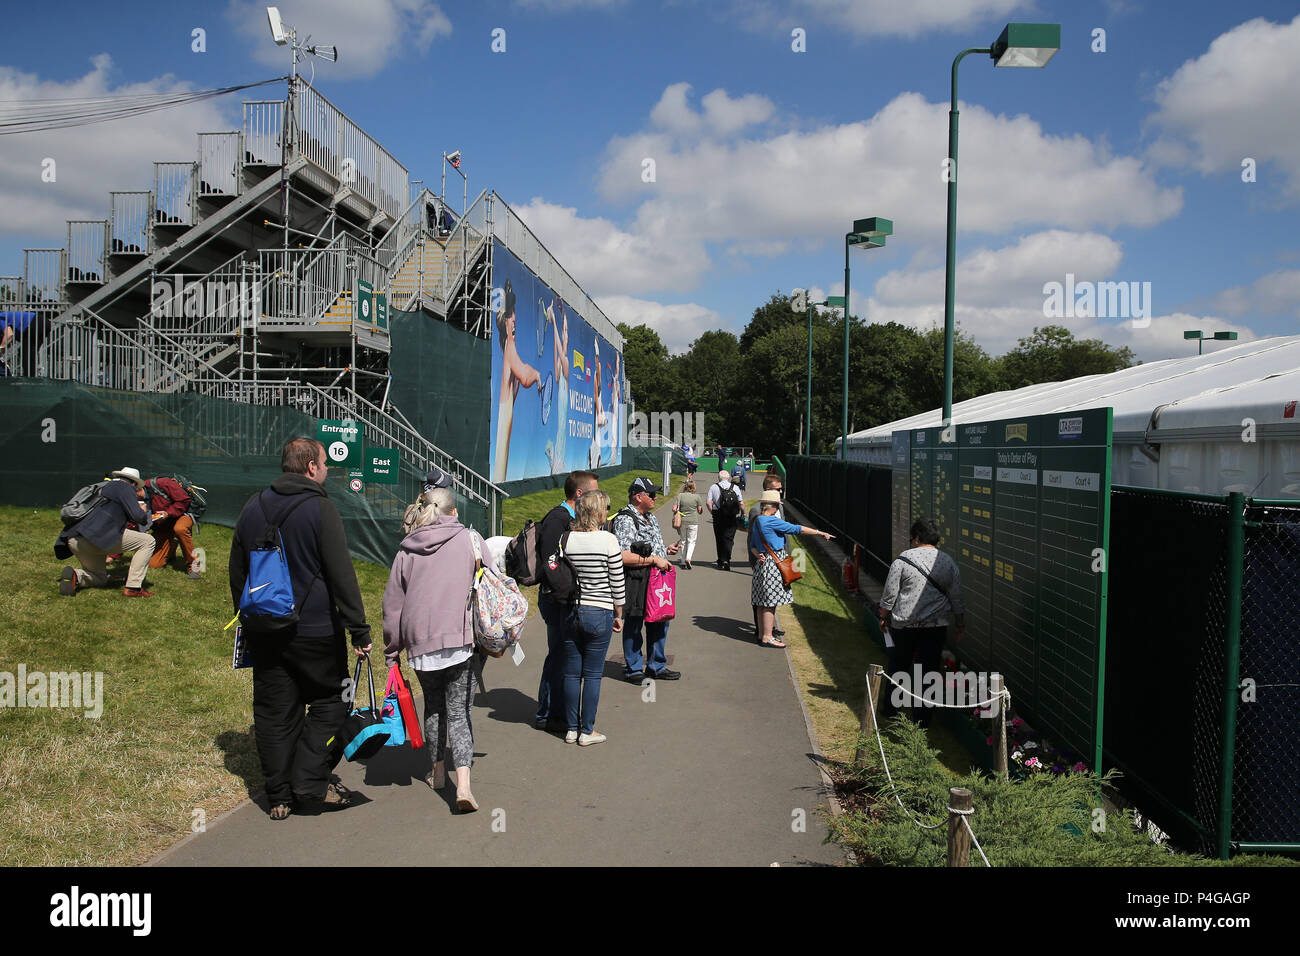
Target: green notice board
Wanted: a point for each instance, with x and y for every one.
(342, 439)
(365, 302)
(1024, 507)
(382, 465)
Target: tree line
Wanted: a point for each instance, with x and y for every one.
(753, 387)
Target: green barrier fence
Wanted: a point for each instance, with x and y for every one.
(57, 436)
(1202, 700)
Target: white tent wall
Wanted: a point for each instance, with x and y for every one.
(1215, 423)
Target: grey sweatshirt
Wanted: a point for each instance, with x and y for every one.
(426, 602)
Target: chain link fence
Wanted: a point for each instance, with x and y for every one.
(1266, 784)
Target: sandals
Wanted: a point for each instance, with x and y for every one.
(774, 642)
(281, 811)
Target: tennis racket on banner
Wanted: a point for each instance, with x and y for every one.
(546, 395)
(542, 316)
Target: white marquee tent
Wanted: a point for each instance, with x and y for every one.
(1224, 421)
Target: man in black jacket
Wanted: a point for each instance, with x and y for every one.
(305, 665)
(103, 532)
(550, 692)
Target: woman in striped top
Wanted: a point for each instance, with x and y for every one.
(598, 560)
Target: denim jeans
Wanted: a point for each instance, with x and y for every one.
(656, 636)
(551, 687)
(585, 645)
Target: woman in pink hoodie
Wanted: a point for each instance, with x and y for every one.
(426, 613)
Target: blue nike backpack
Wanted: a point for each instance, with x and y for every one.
(267, 603)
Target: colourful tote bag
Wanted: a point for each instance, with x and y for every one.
(398, 690)
(661, 595)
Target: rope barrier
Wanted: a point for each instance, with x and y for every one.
(974, 840)
(890, 777)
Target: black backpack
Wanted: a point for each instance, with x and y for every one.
(522, 561)
(729, 503)
(561, 576)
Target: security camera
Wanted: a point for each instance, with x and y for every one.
(453, 157)
(277, 26)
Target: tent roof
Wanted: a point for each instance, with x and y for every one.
(1208, 392)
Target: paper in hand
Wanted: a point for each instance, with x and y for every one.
(517, 655)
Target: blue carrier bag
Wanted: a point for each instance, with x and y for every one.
(267, 603)
(364, 728)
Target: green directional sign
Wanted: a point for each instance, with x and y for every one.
(343, 441)
(365, 302)
(381, 465)
(381, 311)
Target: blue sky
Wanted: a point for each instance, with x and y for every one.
(1121, 165)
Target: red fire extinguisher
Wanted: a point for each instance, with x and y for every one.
(850, 576)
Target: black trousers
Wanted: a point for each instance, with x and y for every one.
(724, 536)
(298, 750)
(923, 645)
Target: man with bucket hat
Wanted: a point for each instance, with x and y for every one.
(103, 531)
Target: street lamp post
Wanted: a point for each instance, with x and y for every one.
(1200, 338)
(870, 234)
(1019, 45)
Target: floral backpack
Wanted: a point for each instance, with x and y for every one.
(497, 606)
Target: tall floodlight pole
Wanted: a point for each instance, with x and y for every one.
(870, 234)
(1019, 45)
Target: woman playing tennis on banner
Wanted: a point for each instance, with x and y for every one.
(515, 372)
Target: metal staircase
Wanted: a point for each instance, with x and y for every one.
(201, 285)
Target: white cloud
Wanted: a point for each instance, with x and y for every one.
(808, 184)
(92, 160)
(1277, 292)
(678, 325)
(605, 258)
(992, 277)
(1236, 100)
(368, 35)
(722, 114)
(1000, 297)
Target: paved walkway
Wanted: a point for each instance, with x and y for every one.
(714, 770)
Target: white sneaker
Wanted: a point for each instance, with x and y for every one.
(571, 737)
(586, 740)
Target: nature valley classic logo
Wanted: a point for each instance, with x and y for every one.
(579, 367)
(1020, 431)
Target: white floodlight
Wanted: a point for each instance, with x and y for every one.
(278, 33)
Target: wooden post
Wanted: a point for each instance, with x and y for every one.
(867, 725)
(959, 798)
(1000, 731)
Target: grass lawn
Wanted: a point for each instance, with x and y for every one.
(174, 743)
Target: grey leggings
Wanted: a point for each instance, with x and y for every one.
(448, 694)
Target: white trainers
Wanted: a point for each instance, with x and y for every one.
(586, 740)
(571, 737)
